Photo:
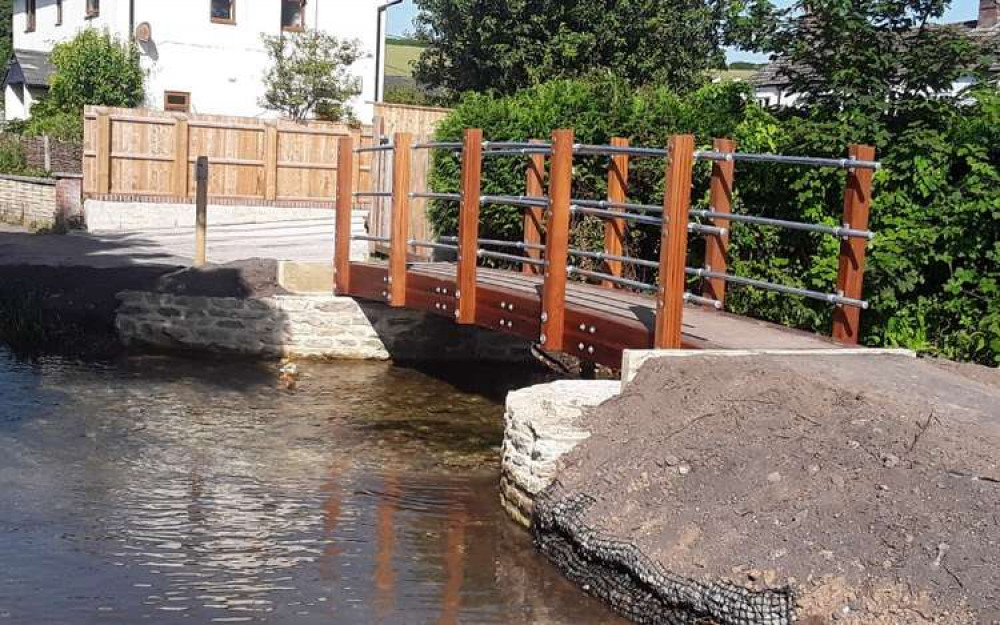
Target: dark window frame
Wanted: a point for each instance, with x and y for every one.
(221, 20)
(177, 108)
(294, 28)
(59, 12)
(93, 8)
(31, 15)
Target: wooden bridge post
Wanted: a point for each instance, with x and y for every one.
(345, 205)
(534, 216)
(851, 274)
(468, 225)
(614, 229)
(557, 241)
(717, 246)
(673, 243)
(399, 231)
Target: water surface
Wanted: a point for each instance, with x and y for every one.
(167, 490)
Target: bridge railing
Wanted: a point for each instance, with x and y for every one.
(545, 248)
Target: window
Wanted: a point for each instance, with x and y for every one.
(29, 10)
(293, 14)
(93, 8)
(224, 11)
(59, 15)
(179, 101)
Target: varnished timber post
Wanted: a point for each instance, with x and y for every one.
(345, 206)
(721, 198)
(201, 212)
(399, 231)
(673, 243)
(614, 229)
(468, 225)
(103, 153)
(181, 165)
(557, 241)
(851, 275)
(534, 216)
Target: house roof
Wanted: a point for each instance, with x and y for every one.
(29, 67)
(774, 74)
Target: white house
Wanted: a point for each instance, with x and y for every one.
(202, 56)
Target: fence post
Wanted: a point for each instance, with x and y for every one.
(468, 225)
(851, 274)
(557, 241)
(673, 242)
(345, 206)
(271, 162)
(103, 153)
(534, 216)
(721, 199)
(614, 229)
(400, 230)
(201, 211)
(181, 156)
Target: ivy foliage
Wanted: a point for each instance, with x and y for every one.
(933, 270)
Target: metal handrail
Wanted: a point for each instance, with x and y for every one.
(372, 194)
(499, 243)
(445, 197)
(513, 145)
(518, 152)
(611, 150)
(811, 161)
(511, 257)
(596, 275)
(439, 145)
(515, 200)
(432, 245)
(375, 148)
(602, 256)
(830, 298)
(837, 231)
(606, 214)
(365, 237)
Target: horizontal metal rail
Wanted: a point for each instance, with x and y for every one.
(454, 146)
(837, 231)
(811, 161)
(596, 275)
(500, 243)
(515, 200)
(514, 145)
(365, 237)
(375, 148)
(606, 214)
(373, 194)
(622, 259)
(446, 197)
(518, 152)
(511, 257)
(611, 150)
(432, 245)
(830, 298)
(653, 208)
(702, 301)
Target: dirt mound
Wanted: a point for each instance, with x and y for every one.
(865, 486)
(255, 277)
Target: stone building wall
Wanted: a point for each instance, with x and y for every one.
(310, 326)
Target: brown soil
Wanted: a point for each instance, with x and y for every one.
(868, 485)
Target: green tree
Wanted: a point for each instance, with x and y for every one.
(310, 75)
(94, 68)
(6, 33)
(489, 46)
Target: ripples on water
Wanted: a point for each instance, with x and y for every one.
(167, 490)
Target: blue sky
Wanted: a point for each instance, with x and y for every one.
(401, 18)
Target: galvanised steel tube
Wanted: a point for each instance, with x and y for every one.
(511, 145)
(432, 245)
(375, 148)
(500, 243)
(611, 150)
(518, 152)
(622, 259)
(830, 298)
(365, 237)
(510, 257)
(596, 275)
(515, 200)
(448, 197)
(625, 205)
(702, 301)
(836, 231)
(372, 194)
(454, 146)
(606, 214)
(841, 163)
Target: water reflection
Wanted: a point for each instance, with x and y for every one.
(169, 490)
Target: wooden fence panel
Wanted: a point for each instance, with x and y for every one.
(153, 153)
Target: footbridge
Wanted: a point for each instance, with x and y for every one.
(580, 302)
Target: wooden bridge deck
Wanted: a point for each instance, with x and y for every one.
(600, 322)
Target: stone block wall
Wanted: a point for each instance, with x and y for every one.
(309, 326)
(38, 203)
(52, 154)
(541, 425)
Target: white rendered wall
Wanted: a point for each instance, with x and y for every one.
(221, 65)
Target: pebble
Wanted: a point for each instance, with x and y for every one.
(774, 477)
(890, 460)
(671, 460)
(684, 469)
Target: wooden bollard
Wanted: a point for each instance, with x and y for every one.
(673, 243)
(557, 241)
(717, 245)
(851, 273)
(201, 212)
(345, 205)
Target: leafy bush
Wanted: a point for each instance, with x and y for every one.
(13, 161)
(93, 68)
(933, 270)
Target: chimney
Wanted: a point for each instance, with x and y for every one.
(989, 13)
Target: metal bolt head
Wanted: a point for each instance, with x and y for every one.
(593, 330)
(583, 327)
(582, 346)
(543, 339)
(457, 314)
(545, 317)
(590, 350)
(458, 295)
